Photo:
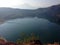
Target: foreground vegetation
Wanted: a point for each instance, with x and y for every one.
(27, 40)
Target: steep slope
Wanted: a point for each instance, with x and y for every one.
(51, 13)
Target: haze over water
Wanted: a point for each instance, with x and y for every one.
(47, 31)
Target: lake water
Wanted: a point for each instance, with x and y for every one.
(13, 29)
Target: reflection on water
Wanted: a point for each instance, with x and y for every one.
(46, 30)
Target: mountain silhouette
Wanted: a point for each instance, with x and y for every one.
(50, 13)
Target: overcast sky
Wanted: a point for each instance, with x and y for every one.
(28, 3)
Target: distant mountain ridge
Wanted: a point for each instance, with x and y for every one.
(51, 13)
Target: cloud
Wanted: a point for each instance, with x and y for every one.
(28, 4)
(33, 4)
(25, 6)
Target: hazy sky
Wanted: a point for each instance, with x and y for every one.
(28, 3)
